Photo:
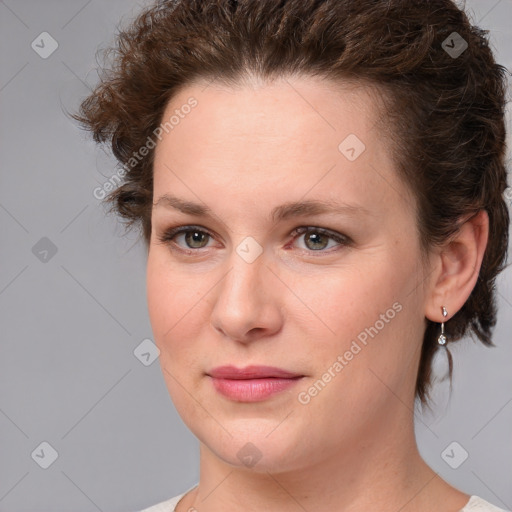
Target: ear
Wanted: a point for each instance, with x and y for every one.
(456, 267)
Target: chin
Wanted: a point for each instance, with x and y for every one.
(256, 445)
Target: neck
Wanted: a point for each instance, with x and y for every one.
(382, 470)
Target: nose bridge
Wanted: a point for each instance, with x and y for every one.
(247, 262)
(245, 280)
(243, 299)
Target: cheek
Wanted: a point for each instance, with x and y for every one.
(171, 293)
(345, 301)
(173, 302)
(159, 298)
(365, 312)
(179, 305)
(176, 302)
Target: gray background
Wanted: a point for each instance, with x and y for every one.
(71, 321)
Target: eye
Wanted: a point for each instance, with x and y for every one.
(194, 237)
(316, 239)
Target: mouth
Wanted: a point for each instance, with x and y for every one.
(252, 383)
(251, 372)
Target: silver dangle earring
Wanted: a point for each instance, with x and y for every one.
(442, 338)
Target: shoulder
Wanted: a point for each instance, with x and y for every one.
(477, 504)
(167, 505)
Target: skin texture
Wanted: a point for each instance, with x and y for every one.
(243, 151)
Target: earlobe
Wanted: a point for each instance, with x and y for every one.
(459, 263)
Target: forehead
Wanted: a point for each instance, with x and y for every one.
(305, 106)
(290, 136)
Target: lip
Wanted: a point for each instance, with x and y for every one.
(251, 372)
(252, 383)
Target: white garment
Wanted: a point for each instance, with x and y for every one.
(475, 504)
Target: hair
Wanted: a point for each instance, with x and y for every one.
(445, 111)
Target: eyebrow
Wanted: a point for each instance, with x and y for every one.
(279, 213)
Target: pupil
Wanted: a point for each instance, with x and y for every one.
(316, 238)
(196, 237)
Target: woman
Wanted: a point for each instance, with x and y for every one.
(320, 187)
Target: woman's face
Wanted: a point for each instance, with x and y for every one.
(341, 307)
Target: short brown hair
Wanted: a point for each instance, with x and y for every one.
(446, 108)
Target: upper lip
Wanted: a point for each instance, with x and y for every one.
(251, 372)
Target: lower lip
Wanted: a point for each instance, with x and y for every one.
(252, 390)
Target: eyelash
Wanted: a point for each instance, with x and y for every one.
(168, 236)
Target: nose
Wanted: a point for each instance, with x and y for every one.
(248, 305)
